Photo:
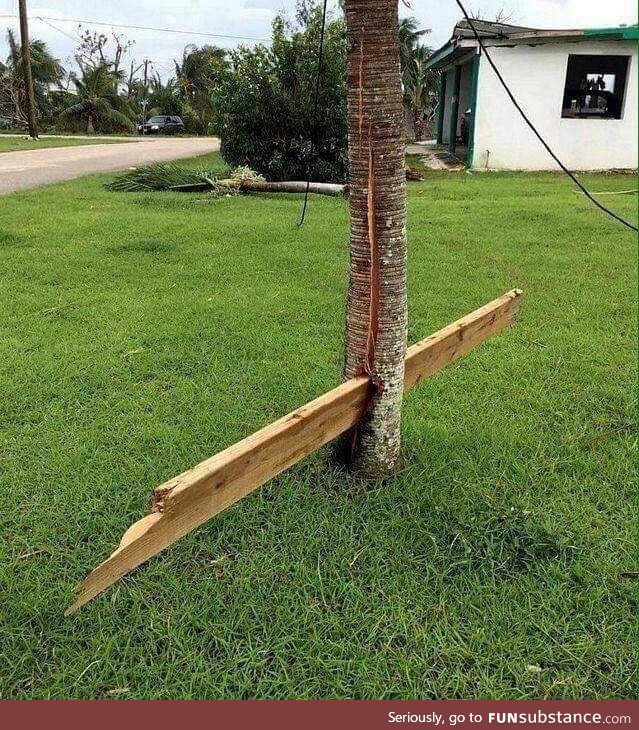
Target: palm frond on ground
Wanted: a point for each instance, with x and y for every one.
(160, 176)
(171, 176)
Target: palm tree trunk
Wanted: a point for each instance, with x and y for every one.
(375, 340)
(418, 123)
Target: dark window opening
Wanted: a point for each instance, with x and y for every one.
(595, 87)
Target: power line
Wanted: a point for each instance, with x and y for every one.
(64, 33)
(145, 27)
(537, 134)
(318, 78)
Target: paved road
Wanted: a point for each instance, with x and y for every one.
(30, 168)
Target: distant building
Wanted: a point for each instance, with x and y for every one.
(578, 87)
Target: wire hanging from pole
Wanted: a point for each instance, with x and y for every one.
(537, 134)
(318, 79)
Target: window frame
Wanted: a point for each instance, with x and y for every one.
(603, 64)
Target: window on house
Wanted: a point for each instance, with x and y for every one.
(595, 87)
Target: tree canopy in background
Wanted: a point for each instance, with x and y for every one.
(45, 70)
(265, 107)
(420, 83)
(100, 96)
(96, 102)
(198, 77)
(260, 100)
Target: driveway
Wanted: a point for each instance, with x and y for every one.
(30, 168)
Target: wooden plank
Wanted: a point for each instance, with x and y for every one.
(452, 342)
(197, 495)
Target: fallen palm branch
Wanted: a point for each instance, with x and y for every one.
(195, 496)
(634, 191)
(171, 177)
(261, 186)
(157, 177)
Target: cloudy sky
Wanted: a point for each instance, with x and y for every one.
(251, 19)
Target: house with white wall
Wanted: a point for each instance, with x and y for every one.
(578, 87)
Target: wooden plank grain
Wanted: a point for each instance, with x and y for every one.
(195, 496)
(432, 354)
(184, 503)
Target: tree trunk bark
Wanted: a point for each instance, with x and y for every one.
(375, 339)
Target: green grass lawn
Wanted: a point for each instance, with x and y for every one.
(18, 144)
(142, 333)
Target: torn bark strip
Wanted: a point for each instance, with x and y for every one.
(361, 83)
(373, 310)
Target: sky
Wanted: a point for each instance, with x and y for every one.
(252, 19)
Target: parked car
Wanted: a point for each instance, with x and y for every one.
(162, 125)
(6, 123)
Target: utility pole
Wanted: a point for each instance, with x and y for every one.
(26, 69)
(144, 103)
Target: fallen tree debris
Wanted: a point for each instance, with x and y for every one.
(195, 496)
(261, 186)
(171, 177)
(634, 191)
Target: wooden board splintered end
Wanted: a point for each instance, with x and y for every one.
(185, 502)
(197, 495)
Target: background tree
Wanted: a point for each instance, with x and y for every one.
(97, 106)
(503, 15)
(99, 49)
(420, 90)
(164, 98)
(409, 41)
(375, 341)
(199, 75)
(45, 70)
(265, 113)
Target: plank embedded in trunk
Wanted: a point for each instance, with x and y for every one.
(197, 495)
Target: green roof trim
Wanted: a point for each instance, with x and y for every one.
(627, 33)
(440, 55)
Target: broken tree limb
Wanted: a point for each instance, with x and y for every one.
(195, 496)
(257, 186)
(260, 186)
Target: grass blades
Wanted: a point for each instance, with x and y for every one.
(20, 144)
(141, 333)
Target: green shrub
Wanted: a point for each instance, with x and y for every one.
(265, 107)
